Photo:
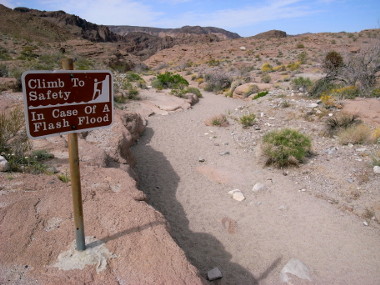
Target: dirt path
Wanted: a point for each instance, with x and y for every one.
(252, 240)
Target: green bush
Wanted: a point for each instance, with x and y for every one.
(247, 120)
(4, 55)
(301, 83)
(217, 121)
(286, 147)
(169, 80)
(260, 94)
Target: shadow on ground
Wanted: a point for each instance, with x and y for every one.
(159, 181)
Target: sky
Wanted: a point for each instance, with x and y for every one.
(247, 18)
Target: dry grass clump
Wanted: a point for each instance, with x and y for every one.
(355, 134)
(341, 122)
(217, 121)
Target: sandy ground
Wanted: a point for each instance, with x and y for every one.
(249, 241)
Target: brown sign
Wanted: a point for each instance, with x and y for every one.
(66, 101)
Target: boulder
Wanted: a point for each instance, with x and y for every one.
(244, 90)
(4, 165)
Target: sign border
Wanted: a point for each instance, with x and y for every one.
(25, 73)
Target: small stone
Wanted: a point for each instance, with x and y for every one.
(259, 187)
(297, 268)
(4, 165)
(214, 274)
(313, 105)
(201, 159)
(362, 149)
(224, 153)
(237, 195)
(282, 208)
(365, 223)
(376, 169)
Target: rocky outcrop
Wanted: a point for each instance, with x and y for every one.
(74, 24)
(271, 34)
(197, 30)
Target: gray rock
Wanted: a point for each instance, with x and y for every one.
(224, 153)
(297, 268)
(201, 159)
(214, 274)
(4, 165)
(376, 169)
(259, 187)
(312, 105)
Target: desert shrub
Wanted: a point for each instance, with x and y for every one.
(294, 65)
(302, 57)
(4, 55)
(169, 80)
(356, 134)
(328, 101)
(332, 62)
(302, 83)
(266, 67)
(3, 70)
(266, 78)
(83, 63)
(247, 120)
(260, 94)
(375, 93)
(348, 92)
(300, 45)
(286, 147)
(217, 82)
(27, 53)
(213, 62)
(376, 158)
(120, 99)
(15, 145)
(218, 121)
(279, 68)
(194, 90)
(322, 86)
(343, 121)
(181, 92)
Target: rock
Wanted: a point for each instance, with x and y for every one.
(4, 165)
(259, 187)
(201, 159)
(297, 268)
(243, 48)
(376, 169)
(376, 209)
(312, 105)
(214, 274)
(237, 195)
(244, 90)
(365, 223)
(224, 153)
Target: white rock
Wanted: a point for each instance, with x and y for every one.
(214, 274)
(259, 187)
(4, 165)
(376, 169)
(312, 105)
(365, 223)
(243, 48)
(297, 268)
(237, 195)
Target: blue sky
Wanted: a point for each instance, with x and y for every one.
(244, 17)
